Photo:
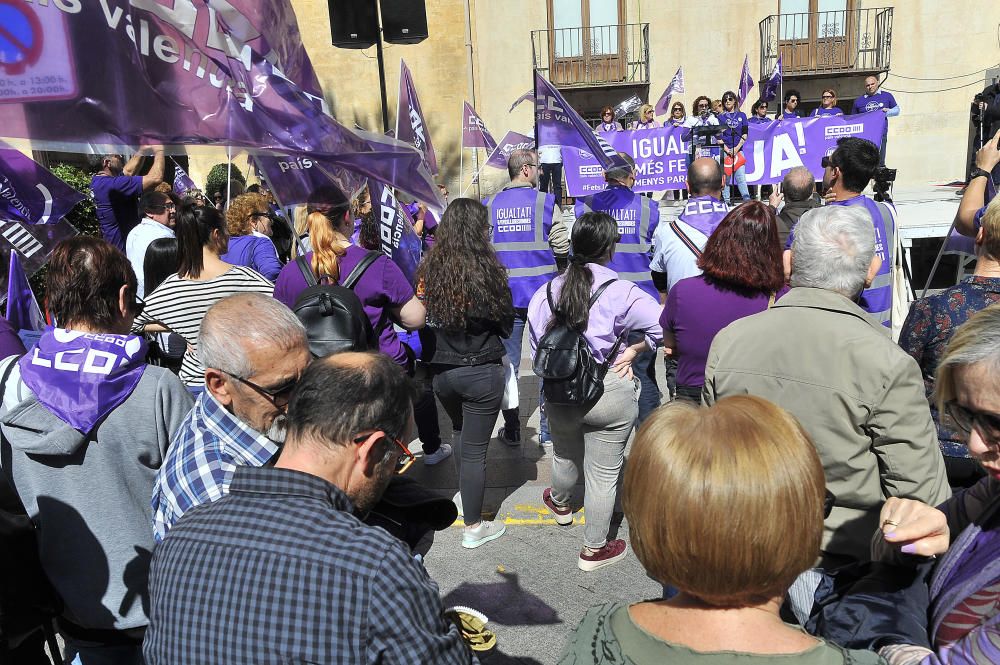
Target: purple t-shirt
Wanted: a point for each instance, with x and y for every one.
(695, 311)
(879, 100)
(117, 199)
(382, 287)
(735, 123)
(833, 110)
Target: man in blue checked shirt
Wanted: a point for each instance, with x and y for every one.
(280, 569)
(254, 350)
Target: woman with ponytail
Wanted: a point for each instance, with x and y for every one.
(593, 437)
(179, 304)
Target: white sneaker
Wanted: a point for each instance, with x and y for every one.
(439, 455)
(482, 534)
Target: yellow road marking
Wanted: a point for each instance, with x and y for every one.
(539, 512)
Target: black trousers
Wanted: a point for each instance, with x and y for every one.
(551, 180)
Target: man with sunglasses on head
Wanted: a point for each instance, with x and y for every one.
(281, 569)
(116, 189)
(254, 350)
(159, 214)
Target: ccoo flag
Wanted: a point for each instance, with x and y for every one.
(773, 83)
(474, 132)
(676, 86)
(746, 83)
(31, 194)
(559, 124)
(182, 181)
(410, 125)
(22, 310)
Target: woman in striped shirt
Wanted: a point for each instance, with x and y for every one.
(179, 304)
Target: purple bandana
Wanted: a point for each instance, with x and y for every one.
(81, 377)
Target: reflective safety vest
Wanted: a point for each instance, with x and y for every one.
(521, 219)
(877, 298)
(637, 218)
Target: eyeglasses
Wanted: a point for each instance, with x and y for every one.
(827, 96)
(606, 114)
(793, 101)
(965, 418)
(676, 109)
(530, 164)
(406, 459)
(280, 394)
(827, 162)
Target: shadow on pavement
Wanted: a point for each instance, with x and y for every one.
(504, 602)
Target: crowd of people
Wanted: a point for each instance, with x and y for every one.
(225, 499)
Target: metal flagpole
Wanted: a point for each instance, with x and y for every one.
(229, 174)
(475, 177)
(937, 259)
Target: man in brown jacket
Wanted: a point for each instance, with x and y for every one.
(858, 395)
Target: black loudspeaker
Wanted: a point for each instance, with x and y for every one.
(353, 23)
(404, 21)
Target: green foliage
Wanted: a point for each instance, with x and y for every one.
(216, 181)
(83, 216)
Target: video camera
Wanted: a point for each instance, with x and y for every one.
(882, 185)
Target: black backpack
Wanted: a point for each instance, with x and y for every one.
(27, 601)
(570, 374)
(332, 314)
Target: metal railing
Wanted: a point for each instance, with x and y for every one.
(844, 41)
(594, 56)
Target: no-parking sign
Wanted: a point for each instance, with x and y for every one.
(35, 62)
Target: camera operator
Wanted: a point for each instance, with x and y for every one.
(986, 113)
(973, 203)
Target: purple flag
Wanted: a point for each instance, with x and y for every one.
(511, 141)
(399, 241)
(31, 194)
(523, 98)
(773, 84)
(410, 125)
(559, 124)
(293, 178)
(676, 86)
(81, 377)
(746, 83)
(228, 73)
(182, 181)
(474, 132)
(22, 311)
(772, 149)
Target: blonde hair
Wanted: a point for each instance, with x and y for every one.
(644, 109)
(991, 230)
(327, 246)
(239, 212)
(976, 341)
(725, 503)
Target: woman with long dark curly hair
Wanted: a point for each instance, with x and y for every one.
(470, 310)
(593, 436)
(741, 275)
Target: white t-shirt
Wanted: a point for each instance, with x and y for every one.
(138, 242)
(550, 154)
(672, 256)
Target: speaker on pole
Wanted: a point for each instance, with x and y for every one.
(353, 23)
(403, 21)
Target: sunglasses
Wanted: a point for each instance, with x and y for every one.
(406, 459)
(827, 96)
(606, 114)
(966, 419)
(275, 395)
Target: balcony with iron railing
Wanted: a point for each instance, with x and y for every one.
(850, 41)
(594, 56)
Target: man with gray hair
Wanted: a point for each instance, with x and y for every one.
(860, 397)
(254, 350)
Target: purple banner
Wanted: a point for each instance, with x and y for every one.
(29, 192)
(773, 83)
(399, 241)
(293, 178)
(509, 143)
(660, 160)
(559, 124)
(182, 181)
(185, 73)
(474, 132)
(410, 125)
(676, 86)
(22, 310)
(773, 149)
(746, 83)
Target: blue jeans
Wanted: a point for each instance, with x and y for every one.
(740, 178)
(513, 346)
(644, 368)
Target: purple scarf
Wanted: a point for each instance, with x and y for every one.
(82, 377)
(704, 213)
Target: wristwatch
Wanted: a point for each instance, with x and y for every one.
(977, 173)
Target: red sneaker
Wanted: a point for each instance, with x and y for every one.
(563, 514)
(613, 552)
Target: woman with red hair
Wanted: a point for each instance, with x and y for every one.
(741, 275)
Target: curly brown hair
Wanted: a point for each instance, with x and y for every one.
(239, 213)
(461, 275)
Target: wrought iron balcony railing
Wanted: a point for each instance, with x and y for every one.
(833, 42)
(599, 55)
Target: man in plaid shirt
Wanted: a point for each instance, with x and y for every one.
(280, 570)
